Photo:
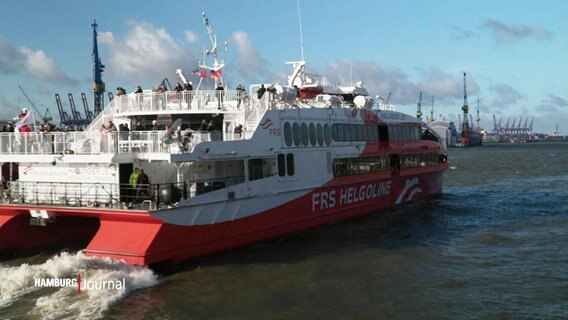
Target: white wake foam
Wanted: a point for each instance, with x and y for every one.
(66, 302)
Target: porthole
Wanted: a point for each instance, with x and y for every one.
(297, 135)
(312, 130)
(288, 134)
(305, 136)
(327, 134)
(320, 134)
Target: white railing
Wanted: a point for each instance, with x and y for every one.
(93, 142)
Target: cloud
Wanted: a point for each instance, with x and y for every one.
(447, 88)
(504, 96)
(32, 63)
(191, 36)
(145, 55)
(459, 33)
(552, 104)
(504, 33)
(249, 64)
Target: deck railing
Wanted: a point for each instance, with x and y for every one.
(110, 195)
(94, 142)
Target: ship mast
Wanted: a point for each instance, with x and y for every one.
(216, 68)
(478, 118)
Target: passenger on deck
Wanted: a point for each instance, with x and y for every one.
(139, 96)
(132, 182)
(240, 95)
(188, 94)
(155, 128)
(220, 91)
(203, 126)
(142, 187)
(260, 92)
(272, 92)
(238, 131)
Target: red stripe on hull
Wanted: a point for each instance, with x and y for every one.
(17, 234)
(138, 238)
(178, 243)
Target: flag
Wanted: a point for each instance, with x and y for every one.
(196, 71)
(216, 74)
(202, 74)
(25, 119)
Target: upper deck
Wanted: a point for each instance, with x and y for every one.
(234, 106)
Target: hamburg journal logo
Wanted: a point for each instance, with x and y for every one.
(80, 283)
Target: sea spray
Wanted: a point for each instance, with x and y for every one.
(66, 301)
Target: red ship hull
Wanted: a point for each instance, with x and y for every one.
(139, 238)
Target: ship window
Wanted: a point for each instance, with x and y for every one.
(305, 137)
(312, 130)
(281, 165)
(320, 134)
(372, 133)
(288, 134)
(327, 134)
(290, 164)
(353, 132)
(384, 132)
(334, 132)
(357, 166)
(296, 133)
(255, 169)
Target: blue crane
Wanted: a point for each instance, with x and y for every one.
(98, 68)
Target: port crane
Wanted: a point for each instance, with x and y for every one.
(419, 107)
(46, 116)
(98, 68)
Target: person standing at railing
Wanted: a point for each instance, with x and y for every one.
(220, 91)
(238, 131)
(260, 94)
(240, 95)
(178, 92)
(155, 129)
(188, 88)
(139, 96)
(132, 184)
(271, 93)
(142, 187)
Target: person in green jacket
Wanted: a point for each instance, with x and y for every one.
(132, 181)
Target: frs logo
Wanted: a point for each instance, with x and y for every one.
(266, 123)
(411, 188)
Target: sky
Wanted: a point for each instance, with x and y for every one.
(515, 52)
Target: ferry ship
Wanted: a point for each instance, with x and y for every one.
(266, 165)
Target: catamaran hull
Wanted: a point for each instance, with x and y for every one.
(140, 238)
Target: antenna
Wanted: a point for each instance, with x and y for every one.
(301, 32)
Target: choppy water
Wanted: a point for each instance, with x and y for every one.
(493, 246)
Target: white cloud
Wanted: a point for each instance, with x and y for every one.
(191, 36)
(507, 33)
(145, 55)
(34, 63)
(249, 64)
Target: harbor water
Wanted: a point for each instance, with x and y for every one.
(494, 245)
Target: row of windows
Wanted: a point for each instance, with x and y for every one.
(355, 132)
(306, 135)
(357, 166)
(405, 133)
(419, 160)
(285, 164)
